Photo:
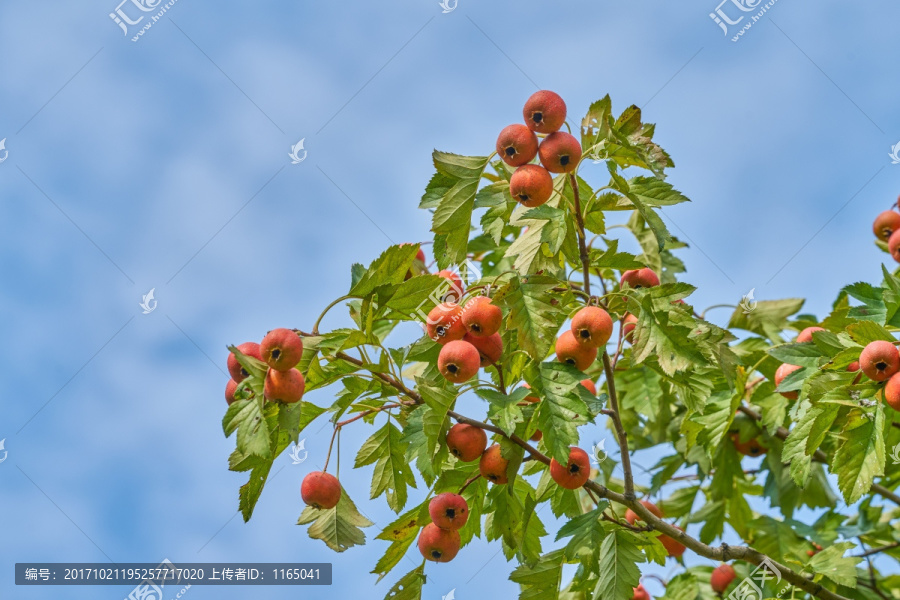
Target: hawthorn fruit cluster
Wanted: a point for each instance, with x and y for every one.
(560, 330)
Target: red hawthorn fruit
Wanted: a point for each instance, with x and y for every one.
(721, 578)
(230, 389)
(631, 516)
(239, 373)
(589, 386)
(531, 399)
(575, 473)
(640, 593)
(458, 361)
(628, 325)
(592, 326)
(807, 334)
(517, 145)
(750, 447)
(560, 152)
(544, 112)
(481, 317)
(672, 546)
(816, 549)
(281, 349)
(455, 292)
(320, 490)
(284, 386)
(894, 245)
(780, 374)
(640, 278)
(532, 185)
(490, 348)
(466, 442)
(892, 392)
(444, 323)
(570, 351)
(438, 545)
(886, 224)
(493, 466)
(449, 511)
(879, 360)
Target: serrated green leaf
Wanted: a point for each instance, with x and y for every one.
(832, 563)
(386, 450)
(617, 570)
(338, 527)
(860, 457)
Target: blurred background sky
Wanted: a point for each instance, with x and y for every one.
(164, 164)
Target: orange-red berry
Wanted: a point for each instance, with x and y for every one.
(544, 112)
(517, 145)
(532, 185)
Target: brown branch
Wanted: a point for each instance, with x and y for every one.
(582, 246)
(617, 423)
(872, 551)
(782, 434)
(722, 553)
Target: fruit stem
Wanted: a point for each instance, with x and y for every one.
(703, 314)
(315, 329)
(341, 424)
(469, 482)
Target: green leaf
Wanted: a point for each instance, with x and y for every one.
(420, 294)
(802, 355)
(452, 218)
(618, 572)
(768, 318)
(401, 533)
(655, 192)
(389, 268)
(531, 313)
(249, 493)
(561, 410)
(860, 458)
(872, 297)
(246, 416)
(409, 587)
(504, 410)
(541, 581)
(434, 420)
(338, 527)
(832, 563)
(386, 449)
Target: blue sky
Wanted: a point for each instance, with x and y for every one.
(164, 164)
